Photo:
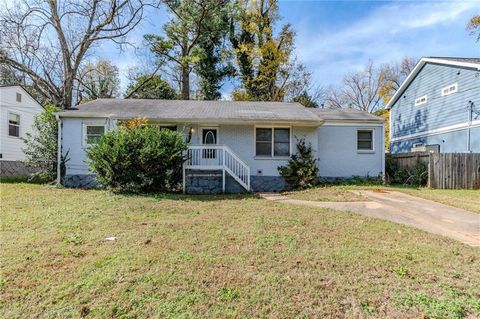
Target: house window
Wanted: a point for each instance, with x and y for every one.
(13, 125)
(421, 100)
(19, 97)
(365, 140)
(93, 133)
(450, 89)
(272, 142)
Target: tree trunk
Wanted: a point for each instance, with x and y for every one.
(185, 82)
(68, 92)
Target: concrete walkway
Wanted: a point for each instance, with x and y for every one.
(401, 208)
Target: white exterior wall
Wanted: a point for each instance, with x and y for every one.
(335, 147)
(338, 155)
(11, 147)
(72, 142)
(241, 140)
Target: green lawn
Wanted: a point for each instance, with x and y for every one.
(220, 257)
(466, 199)
(461, 198)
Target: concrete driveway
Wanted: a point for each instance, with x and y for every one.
(398, 207)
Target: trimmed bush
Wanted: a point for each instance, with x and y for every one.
(139, 159)
(301, 171)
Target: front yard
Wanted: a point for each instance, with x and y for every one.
(220, 257)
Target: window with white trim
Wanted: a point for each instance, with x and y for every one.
(19, 97)
(272, 141)
(450, 89)
(92, 133)
(421, 100)
(13, 125)
(365, 140)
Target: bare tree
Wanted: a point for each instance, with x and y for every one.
(334, 97)
(392, 75)
(359, 91)
(49, 40)
(98, 79)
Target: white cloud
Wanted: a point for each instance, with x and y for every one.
(388, 33)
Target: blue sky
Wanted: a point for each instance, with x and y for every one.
(337, 37)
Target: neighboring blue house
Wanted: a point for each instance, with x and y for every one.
(437, 108)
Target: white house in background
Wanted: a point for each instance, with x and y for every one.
(17, 111)
(234, 146)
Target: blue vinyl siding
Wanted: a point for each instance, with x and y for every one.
(439, 111)
(451, 142)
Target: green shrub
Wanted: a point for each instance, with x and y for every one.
(138, 159)
(301, 171)
(416, 175)
(41, 146)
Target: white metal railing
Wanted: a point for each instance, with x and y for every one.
(210, 157)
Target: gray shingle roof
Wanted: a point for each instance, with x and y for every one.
(180, 110)
(214, 111)
(346, 114)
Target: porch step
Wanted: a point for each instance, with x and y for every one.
(218, 157)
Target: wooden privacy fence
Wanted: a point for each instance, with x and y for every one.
(454, 170)
(445, 170)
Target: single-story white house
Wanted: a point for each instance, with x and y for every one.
(234, 146)
(17, 112)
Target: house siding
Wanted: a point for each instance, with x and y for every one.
(72, 143)
(451, 142)
(11, 148)
(338, 156)
(439, 111)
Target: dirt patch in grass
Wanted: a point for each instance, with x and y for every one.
(219, 257)
(326, 194)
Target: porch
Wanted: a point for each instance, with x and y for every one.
(217, 158)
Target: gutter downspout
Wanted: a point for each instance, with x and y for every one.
(384, 179)
(470, 111)
(59, 150)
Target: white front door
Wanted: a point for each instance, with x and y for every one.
(209, 137)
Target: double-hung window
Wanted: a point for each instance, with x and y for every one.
(272, 142)
(365, 140)
(13, 125)
(92, 133)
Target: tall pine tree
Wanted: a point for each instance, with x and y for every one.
(263, 58)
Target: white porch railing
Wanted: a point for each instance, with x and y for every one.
(218, 157)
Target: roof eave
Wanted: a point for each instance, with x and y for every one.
(194, 120)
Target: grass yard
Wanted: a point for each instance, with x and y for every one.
(220, 257)
(461, 198)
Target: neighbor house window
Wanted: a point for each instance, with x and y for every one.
(450, 89)
(19, 97)
(272, 142)
(93, 133)
(421, 100)
(13, 125)
(365, 140)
